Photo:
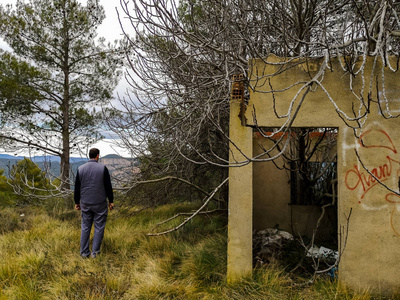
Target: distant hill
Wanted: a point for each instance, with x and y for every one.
(46, 164)
(7, 156)
(40, 158)
(52, 163)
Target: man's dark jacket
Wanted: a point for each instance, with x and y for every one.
(93, 184)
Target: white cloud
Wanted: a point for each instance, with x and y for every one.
(109, 146)
(106, 147)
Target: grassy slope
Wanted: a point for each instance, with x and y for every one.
(40, 260)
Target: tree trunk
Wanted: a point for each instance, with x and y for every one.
(64, 164)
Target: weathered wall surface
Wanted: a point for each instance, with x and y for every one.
(271, 190)
(240, 215)
(370, 257)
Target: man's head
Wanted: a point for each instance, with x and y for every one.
(93, 153)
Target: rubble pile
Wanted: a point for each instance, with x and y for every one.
(268, 244)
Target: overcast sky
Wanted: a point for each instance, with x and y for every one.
(111, 30)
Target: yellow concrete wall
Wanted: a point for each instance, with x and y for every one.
(240, 213)
(271, 190)
(370, 258)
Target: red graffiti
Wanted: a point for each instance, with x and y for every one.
(392, 198)
(365, 181)
(388, 144)
(355, 178)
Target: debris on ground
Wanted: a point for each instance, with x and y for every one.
(325, 254)
(268, 244)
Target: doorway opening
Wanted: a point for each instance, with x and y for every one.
(296, 192)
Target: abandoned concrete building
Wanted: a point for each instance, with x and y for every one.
(356, 110)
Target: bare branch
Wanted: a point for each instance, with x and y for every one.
(194, 214)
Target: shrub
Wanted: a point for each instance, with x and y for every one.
(28, 181)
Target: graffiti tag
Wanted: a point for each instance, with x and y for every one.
(364, 181)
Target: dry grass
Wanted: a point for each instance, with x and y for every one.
(40, 260)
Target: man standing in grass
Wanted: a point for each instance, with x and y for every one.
(92, 188)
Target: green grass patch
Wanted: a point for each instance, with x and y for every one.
(40, 260)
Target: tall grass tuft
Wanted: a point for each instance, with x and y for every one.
(206, 261)
(12, 219)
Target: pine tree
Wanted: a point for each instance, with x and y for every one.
(56, 75)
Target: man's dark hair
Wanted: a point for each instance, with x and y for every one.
(93, 153)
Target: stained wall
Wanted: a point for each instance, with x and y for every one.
(368, 213)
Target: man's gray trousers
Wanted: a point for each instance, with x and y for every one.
(96, 214)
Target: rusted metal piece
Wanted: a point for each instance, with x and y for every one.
(237, 94)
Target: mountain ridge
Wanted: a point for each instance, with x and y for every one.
(52, 163)
(52, 158)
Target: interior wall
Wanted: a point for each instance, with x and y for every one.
(271, 200)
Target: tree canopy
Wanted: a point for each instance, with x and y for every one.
(184, 56)
(56, 75)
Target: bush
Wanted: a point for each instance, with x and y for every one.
(28, 181)
(7, 196)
